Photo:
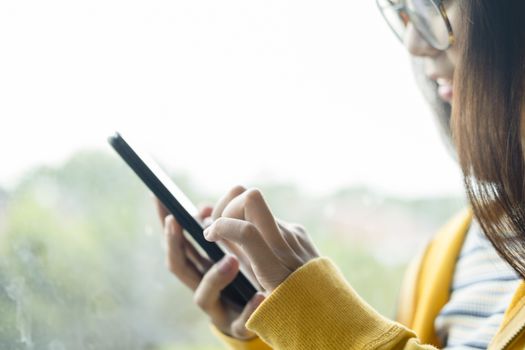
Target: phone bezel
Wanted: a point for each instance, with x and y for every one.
(241, 290)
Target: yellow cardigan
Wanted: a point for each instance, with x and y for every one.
(315, 308)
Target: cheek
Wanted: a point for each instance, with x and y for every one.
(452, 57)
(453, 13)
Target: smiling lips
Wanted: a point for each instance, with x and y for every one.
(445, 89)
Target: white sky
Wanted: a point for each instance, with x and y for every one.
(234, 91)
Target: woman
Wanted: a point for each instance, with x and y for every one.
(449, 299)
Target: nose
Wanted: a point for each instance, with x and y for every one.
(416, 45)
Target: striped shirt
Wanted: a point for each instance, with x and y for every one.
(482, 288)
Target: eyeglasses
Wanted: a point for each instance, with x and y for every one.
(428, 17)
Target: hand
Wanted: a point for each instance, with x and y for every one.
(274, 248)
(205, 278)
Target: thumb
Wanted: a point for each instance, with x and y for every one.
(238, 328)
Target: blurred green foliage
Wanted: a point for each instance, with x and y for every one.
(82, 267)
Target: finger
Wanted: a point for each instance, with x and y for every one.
(308, 245)
(204, 216)
(238, 328)
(202, 263)
(304, 239)
(234, 249)
(244, 261)
(297, 238)
(251, 206)
(248, 237)
(162, 212)
(299, 229)
(208, 293)
(290, 237)
(205, 212)
(223, 202)
(207, 222)
(178, 263)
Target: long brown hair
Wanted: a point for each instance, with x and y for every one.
(486, 122)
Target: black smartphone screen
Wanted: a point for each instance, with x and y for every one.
(241, 290)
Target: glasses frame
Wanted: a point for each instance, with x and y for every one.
(401, 8)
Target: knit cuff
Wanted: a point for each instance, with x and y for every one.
(315, 308)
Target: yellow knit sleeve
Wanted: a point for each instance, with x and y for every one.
(236, 344)
(315, 308)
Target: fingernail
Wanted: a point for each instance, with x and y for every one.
(207, 233)
(207, 222)
(167, 224)
(226, 264)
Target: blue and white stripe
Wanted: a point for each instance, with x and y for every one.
(482, 288)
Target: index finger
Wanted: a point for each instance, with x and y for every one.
(162, 212)
(225, 200)
(249, 238)
(252, 207)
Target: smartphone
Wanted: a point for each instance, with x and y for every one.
(241, 290)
